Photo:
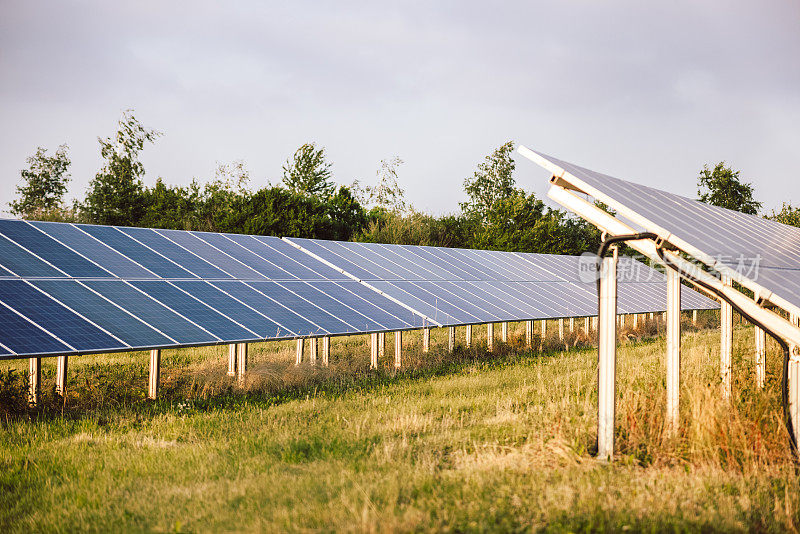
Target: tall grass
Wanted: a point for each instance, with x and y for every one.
(464, 441)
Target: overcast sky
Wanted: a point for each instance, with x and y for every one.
(643, 91)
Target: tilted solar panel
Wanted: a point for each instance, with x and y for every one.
(763, 255)
(75, 288)
(462, 286)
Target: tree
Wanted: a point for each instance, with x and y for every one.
(387, 194)
(307, 172)
(492, 182)
(115, 194)
(722, 187)
(788, 215)
(44, 184)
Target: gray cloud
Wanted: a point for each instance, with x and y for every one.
(648, 93)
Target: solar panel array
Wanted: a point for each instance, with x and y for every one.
(73, 288)
(67, 288)
(466, 286)
(760, 250)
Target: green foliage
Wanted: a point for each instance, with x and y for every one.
(387, 193)
(492, 182)
(721, 186)
(44, 184)
(307, 172)
(116, 194)
(788, 214)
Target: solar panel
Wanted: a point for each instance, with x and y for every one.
(464, 286)
(763, 255)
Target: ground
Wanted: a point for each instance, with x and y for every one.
(464, 442)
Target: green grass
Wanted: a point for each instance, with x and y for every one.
(462, 442)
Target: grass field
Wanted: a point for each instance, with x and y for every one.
(463, 442)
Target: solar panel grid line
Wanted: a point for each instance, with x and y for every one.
(196, 240)
(542, 295)
(339, 284)
(254, 309)
(296, 256)
(458, 271)
(396, 269)
(94, 239)
(376, 270)
(438, 314)
(156, 275)
(257, 336)
(172, 310)
(282, 305)
(346, 306)
(260, 244)
(126, 311)
(24, 317)
(458, 301)
(71, 248)
(301, 297)
(390, 253)
(205, 237)
(337, 268)
(176, 264)
(32, 254)
(488, 263)
(523, 307)
(93, 323)
(204, 263)
(438, 298)
(367, 284)
(476, 293)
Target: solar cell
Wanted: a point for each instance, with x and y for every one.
(23, 337)
(20, 262)
(55, 318)
(226, 262)
(289, 294)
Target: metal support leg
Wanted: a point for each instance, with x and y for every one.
(694, 317)
(761, 343)
(34, 380)
(241, 361)
(312, 351)
(529, 334)
(426, 339)
(673, 350)
(561, 329)
(61, 375)
(586, 326)
(381, 344)
(635, 320)
(622, 320)
(726, 343)
(451, 338)
(398, 348)
(155, 374)
(232, 359)
(504, 332)
(373, 353)
(468, 336)
(490, 337)
(607, 352)
(572, 325)
(543, 333)
(299, 358)
(326, 350)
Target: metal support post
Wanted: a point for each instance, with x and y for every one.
(673, 350)
(300, 344)
(607, 357)
(34, 380)
(426, 339)
(398, 348)
(232, 359)
(529, 334)
(468, 336)
(490, 337)
(326, 350)
(241, 361)
(451, 338)
(726, 343)
(373, 353)
(155, 374)
(586, 326)
(635, 320)
(504, 332)
(761, 342)
(694, 317)
(561, 329)
(381, 344)
(61, 375)
(572, 325)
(312, 351)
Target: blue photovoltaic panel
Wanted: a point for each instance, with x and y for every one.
(279, 311)
(191, 262)
(22, 263)
(256, 262)
(55, 318)
(103, 313)
(93, 249)
(194, 310)
(22, 337)
(340, 307)
(385, 305)
(385, 317)
(290, 295)
(142, 255)
(152, 312)
(227, 263)
(50, 250)
(252, 318)
(298, 263)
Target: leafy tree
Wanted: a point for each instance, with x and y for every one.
(115, 194)
(492, 182)
(307, 172)
(387, 194)
(721, 186)
(787, 215)
(44, 184)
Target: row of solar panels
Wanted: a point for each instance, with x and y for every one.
(67, 289)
